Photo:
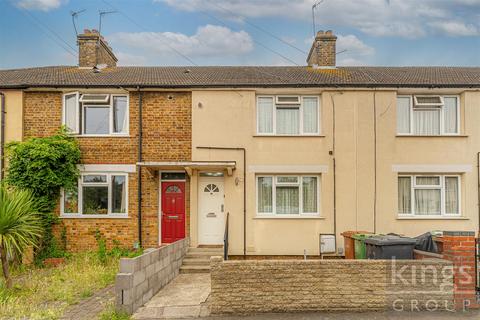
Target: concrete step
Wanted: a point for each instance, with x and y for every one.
(202, 254)
(194, 269)
(219, 249)
(196, 262)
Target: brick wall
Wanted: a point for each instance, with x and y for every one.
(167, 137)
(240, 287)
(459, 248)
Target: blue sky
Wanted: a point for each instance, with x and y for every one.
(244, 32)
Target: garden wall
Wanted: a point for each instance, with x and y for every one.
(251, 286)
(142, 277)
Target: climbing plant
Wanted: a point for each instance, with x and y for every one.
(44, 166)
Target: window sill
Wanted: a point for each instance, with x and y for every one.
(94, 216)
(289, 136)
(101, 136)
(288, 216)
(432, 218)
(432, 136)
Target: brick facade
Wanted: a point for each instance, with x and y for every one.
(166, 137)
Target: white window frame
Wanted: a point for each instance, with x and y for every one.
(101, 101)
(414, 105)
(441, 187)
(64, 121)
(80, 130)
(420, 104)
(283, 105)
(299, 183)
(108, 184)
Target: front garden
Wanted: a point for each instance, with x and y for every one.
(38, 169)
(46, 292)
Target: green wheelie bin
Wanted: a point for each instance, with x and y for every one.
(360, 248)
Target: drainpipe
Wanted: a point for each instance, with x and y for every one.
(478, 189)
(332, 153)
(2, 135)
(140, 159)
(375, 160)
(244, 190)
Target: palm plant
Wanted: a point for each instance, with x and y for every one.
(20, 225)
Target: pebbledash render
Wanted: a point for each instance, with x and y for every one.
(293, 156)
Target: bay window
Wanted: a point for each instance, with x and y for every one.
(287, 195)
(97, 194)
(288, 115)
(428, 115)
(96, 114)
(428, 195)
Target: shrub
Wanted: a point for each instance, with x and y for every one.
(44, 166)
(20, 225)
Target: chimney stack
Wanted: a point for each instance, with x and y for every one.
(323, 51)
(93, 50)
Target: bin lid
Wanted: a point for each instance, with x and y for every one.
(362, 236)
(350, 233)
(389, 240)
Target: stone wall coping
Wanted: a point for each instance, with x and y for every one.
(273, 262)
(459, 233)
(429, 254)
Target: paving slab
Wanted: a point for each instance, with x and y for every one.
(184, 297)
(91, 307)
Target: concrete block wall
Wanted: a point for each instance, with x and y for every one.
(263, 286)
(140, 278)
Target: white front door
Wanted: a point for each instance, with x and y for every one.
(211, 213)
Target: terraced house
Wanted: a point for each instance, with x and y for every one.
(285, 158)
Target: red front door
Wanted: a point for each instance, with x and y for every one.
(173, 211)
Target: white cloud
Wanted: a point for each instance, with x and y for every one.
(209, 40)
(128, 59)
(455, 28)
(404, 18)
(43, 5)
(352, 44)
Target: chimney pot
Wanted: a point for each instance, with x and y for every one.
(323, 50)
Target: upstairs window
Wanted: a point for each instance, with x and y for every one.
(288, 115)
(428, 115)
(95, 114)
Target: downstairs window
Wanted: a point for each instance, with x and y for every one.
(97, 194)
(283, 195)
(428, 195)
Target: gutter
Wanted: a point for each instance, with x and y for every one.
(2, 135)
(140, 158)
(252, 86)
(244, 151)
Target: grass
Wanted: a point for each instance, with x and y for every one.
(111, 314)
(44, 293)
